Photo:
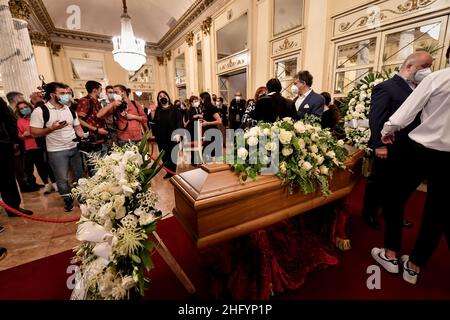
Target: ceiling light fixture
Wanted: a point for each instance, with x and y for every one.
(128, 51)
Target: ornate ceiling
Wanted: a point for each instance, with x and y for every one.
(155, 21)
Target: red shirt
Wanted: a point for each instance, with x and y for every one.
(23, 125)
(87, 110)
(133, 131)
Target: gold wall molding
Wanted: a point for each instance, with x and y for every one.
(160, 60)
(40, 39)
(378, 13)
(20, 9)
(190, 39)
(206, 26)
(287, 44)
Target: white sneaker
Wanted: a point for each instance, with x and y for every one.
(55, 187)
(409, 275)
(390, 265)
(48, 188)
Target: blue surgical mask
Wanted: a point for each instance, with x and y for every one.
(25, 112)
(65, 100)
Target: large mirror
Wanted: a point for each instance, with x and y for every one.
(232, 38)
(87, 70)
(288, 15)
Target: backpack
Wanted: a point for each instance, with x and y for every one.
(46, 117)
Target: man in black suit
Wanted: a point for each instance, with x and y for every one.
(306, 101)
(273, 106)
(387, 97)
(237, 110)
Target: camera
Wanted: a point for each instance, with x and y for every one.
(123, 107)
(88, 144)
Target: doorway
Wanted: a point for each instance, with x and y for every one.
(231, 83)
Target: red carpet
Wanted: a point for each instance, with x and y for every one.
(46, 279)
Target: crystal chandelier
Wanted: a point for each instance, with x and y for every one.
(128, 51)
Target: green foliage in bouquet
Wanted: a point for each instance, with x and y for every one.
(304, 153)
(118, 212)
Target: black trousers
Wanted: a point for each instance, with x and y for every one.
(8, 186)
(168, 147)
(375, 187)
(36, 158)
(436, 215)
(402, 179)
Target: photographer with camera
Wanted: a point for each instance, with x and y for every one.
(60, 126)
(87, 110)
(129, 117)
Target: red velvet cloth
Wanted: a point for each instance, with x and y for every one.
(272, 260)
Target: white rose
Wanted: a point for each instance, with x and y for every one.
(309, 127)
(283, 167)
(362, 96)
(285, 137)
(320, 160)
(242, 153)
(252, 141)
(352, 101)
(331, 154)
(324, 170)
(315, 137)
(288, 120)
(275, 129)
(307, 166)
(364, 87)
(254, 132)
(266, 132)
(341, 143)
(300, 127)
(314, 149)
(287, 152)
(360, 107)
(271, 146)
(301, 143)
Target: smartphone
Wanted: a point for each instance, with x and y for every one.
(63, 123)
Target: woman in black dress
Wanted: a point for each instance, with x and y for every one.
(211, 120)
(166, 118)
(330, 117)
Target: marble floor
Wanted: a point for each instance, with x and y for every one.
(27, 240)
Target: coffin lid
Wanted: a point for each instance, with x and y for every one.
(212, 184)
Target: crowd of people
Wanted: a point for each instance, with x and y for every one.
(409, 122)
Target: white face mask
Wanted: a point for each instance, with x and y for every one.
(196, 104)
(294, 90)
(238, 99)
(422, 74)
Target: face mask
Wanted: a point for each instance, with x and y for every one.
(163, 101)
(238, 99)
(25, 112)
(294, 90)
(196, 104)
(65, 99)
(111, 96)
(422, 74)
(218, 104)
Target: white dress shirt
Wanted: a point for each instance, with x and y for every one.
(432, 97)
(301, 99)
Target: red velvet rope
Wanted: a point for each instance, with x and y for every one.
(18, 213)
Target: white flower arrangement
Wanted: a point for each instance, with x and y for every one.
(307, 154)
(118, 210)
(357, 110)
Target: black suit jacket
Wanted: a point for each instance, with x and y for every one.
(387, 97)
(313, 104)
(236, 109)
(271, 108)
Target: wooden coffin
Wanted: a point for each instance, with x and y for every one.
(214, 206)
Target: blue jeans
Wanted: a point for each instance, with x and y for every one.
(60, 162)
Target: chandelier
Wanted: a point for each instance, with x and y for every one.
(128, 51)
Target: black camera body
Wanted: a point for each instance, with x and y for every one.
(88, 144)
(123, 107)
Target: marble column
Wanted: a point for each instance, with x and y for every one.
(17, 62)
